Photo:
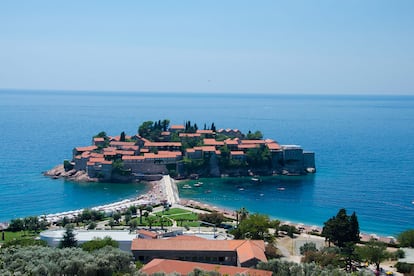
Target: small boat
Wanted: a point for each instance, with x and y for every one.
(198, 184)
(186, 186)
(241, 189)
(281, 188)
(208, 191)
(255, 179)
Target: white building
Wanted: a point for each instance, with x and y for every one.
(124, 238)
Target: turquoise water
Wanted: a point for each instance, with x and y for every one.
(363, 145)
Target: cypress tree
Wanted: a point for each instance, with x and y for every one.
(122, 137)
(69, 239)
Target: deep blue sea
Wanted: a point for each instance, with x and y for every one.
(364, 149)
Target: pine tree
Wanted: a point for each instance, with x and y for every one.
(68, 239)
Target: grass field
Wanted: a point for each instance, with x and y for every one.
(8, 236)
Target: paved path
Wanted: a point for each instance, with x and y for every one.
(171, 189)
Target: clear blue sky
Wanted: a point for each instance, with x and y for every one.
(302, 47)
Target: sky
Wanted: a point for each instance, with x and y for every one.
(288, 47)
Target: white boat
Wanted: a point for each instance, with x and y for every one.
(256, 179)
(198, 184)
(186, 186)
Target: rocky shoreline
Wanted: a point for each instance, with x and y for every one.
(73, 175)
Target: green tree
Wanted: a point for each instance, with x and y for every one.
(133, 209)
(151, 220)
(36, 260)
(374, 252)
(215, 218)
(254, 136)
(67, 165)
(133, 224)
(101, 134)
(164, 124)
(16, 225)
(92, 225)
(406, 238)
(98, 243)
(241, 214)
(254, 227)
(117, 216)
(309, 246)
(111, 222)
(258, 157)
(122, 137)
(342, 229)
(141, 208)
(68, 239)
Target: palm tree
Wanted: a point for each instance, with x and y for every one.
(150, 221)
(140, 208)
(241, 214)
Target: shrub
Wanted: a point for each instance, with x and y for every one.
(405, 268)
(309, 246)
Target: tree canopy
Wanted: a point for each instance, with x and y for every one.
(342, 229)
(99, 243)
(254, 227)
(68, 239)
(36, 260)
(374, 252)
(406, 238)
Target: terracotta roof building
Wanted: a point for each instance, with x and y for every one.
(244, 253)
(184, 268)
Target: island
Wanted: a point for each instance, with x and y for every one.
(182, 151)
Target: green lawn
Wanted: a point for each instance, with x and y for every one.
(8, 236)
(182, 216)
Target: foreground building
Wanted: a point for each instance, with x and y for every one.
(184, 268)
(241, 253)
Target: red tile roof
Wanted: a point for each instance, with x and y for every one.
(252, 249)
(184, 268)
(147, 233)
(88, 148)
(177, 127)
(162, 154)
(134, 157)
(162, 144)
(98, 139)
(206, 148)
(248, 146)
(246, 249)
(93, 161)
(236, 152)
(273, 146)
(253, 142)
(125, 152)
(212, 142)
(116, 143)
(205, 131)
(232, 142)
(189, 135)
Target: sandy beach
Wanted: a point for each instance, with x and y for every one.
(165, 190)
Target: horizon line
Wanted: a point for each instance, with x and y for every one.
(205, 92)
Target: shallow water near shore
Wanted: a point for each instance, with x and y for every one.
(363, 145)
